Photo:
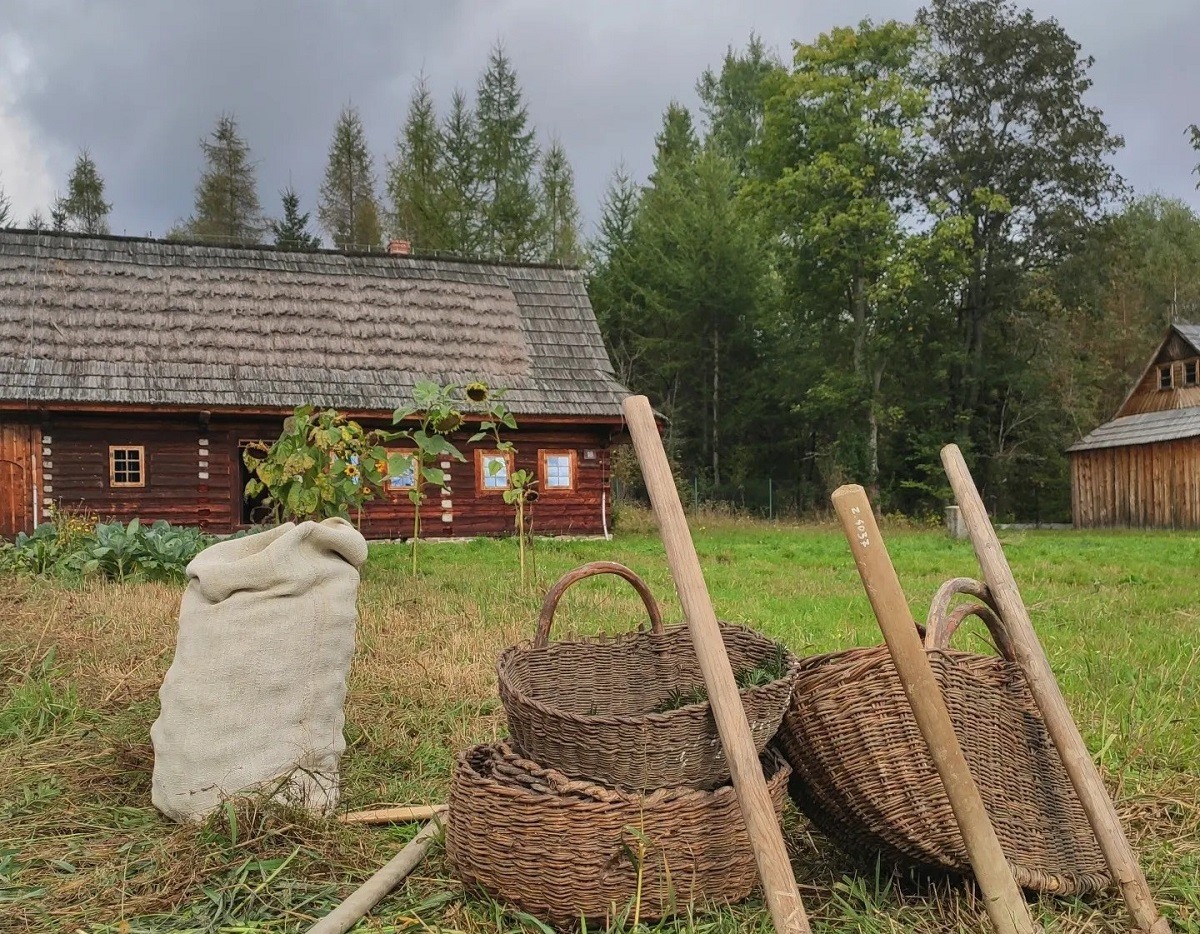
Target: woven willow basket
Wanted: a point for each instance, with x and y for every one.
(561, 849)
(588, 708)
(863, 775)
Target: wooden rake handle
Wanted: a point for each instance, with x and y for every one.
(766, 838)
(1031, 658)
(1004, 902)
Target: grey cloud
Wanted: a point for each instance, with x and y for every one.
(140, 82)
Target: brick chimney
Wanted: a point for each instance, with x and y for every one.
(399, 247)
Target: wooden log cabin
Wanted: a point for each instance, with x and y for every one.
(1142, 469)
(133, 372)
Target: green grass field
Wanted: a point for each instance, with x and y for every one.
(81, 849)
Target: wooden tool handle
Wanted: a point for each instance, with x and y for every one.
(766, 838)
(1032, 660)
(1004, 902)
(371, 892)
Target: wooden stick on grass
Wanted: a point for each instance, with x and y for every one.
(766, 838)
(396, 815)
(1031, 658)
(1003, 899)
(371, 892)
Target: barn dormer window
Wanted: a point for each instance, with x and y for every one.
(1164, 376)
(1189, 372)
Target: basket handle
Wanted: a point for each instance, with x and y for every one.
(942, 623)
(555, 593)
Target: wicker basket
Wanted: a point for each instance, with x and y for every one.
(590, 708)
(561, 849)
(863, 775)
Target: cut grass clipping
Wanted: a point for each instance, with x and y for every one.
(81, 848)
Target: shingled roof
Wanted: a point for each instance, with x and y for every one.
(1144, 428)
(125, 320)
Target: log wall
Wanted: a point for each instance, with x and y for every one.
(1154, 486)
(193, 476)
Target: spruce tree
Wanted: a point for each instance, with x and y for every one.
(58, 213)
(416, 179)
(613, 276)
(291, 230)
(5, 208)
(36, 220)
(84, 207)
(560, 210)
(227, 209)
(462, 190)
(507, 157)
(348, 209)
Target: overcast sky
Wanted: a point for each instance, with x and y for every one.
(138, 82)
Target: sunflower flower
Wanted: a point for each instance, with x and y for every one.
(477, 392)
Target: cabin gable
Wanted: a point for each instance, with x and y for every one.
(1170, 381)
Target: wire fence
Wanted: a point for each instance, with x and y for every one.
(760, 497)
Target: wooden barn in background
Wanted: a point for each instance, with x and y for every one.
(133, 372)
(1142, 469)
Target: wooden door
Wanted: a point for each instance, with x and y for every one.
(20, 480)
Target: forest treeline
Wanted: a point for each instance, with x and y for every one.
(908, 234)
(902, 235)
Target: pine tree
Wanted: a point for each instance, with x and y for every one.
(560, 210)
(226, 209)
(84, 207)
(416, 177)
(348, 208)
(291, 230)
(507, 156)
(462, 191)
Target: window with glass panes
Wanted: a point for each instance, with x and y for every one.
(126, 465)
(492, 469)
(558, 470)
(407, 478)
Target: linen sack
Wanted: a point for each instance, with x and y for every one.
(254, 696)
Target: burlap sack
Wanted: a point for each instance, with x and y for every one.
(253, 698)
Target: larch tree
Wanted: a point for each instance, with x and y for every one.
(507, 159)
(733, 99)
(84, 207)
(227, 208)
(291, 230)
(560, 209)
(348, 208)
(462, 189)
(416, 178)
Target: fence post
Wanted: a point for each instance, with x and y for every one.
(770, 499)
(696, 493)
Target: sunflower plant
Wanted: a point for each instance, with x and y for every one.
(323, 464)
(436, 413)
(520, 495)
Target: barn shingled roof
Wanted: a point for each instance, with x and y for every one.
(1145, 428)
(126, 320)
